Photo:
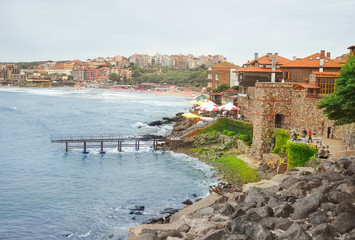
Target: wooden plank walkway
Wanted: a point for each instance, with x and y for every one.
(89, 141)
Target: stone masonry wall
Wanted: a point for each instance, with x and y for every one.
(270, 99)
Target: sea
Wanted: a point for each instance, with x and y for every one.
(48, 193)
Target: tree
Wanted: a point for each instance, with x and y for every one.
(114, 77)
(221, 88)
(340, 105)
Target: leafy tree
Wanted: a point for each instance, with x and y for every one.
(222, 87)
(340, 105)
(235, 87)
(114, 77)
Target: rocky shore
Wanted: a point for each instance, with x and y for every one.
(295, 205)
(302, 203)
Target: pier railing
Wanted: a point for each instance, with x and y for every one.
(121, 140)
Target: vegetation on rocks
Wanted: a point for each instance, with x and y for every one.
(230, 127)
(220, 151)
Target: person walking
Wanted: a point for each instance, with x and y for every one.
(310, 136)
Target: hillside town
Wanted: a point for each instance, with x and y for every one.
(96, 72)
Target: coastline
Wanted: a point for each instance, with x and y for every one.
(187, 94)
(302, 203)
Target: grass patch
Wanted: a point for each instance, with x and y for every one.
(236, 170)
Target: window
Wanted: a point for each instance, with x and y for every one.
(326, 85)
(216, 76)
(317, 58)
(310, 58)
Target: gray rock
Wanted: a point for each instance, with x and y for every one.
(246, 206)
(183, 228)
(344, 207)
(327, 232)
(299, 189)
(258, 196)
(295, 232)
(337, 196)
(284, 210)
(307, 205)
(344, 222)
(237, 213)
(227, 210)
(318, 218)
(215, 235)
(251, 229)
(236, 237)
(274, 202)
(274, 222)
(328, 207)
(332, 176)
(262, 212)
(147, 236)
(208, 211)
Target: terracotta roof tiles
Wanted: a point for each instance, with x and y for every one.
(312, 61)
(264, 60)
(257, 69)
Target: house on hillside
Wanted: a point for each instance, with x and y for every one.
(221, 73)
(300, 69)
(263, 69)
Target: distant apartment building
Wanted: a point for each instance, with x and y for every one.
(7, 71)
(86, 75)
(221, 73)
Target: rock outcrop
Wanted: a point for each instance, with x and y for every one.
(297, 205)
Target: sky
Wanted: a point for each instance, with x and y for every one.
(40, 30)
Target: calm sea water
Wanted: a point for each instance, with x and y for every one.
(46, 193)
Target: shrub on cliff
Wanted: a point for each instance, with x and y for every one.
(298, 154)
(281, 136)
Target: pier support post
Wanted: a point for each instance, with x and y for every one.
(102, 148)
(85, 152)
(119, 146)
(66, 146)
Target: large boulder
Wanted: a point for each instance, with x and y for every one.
(344, 222)
(324, 231)
(305, 206)
(220, 234)
(295, 232)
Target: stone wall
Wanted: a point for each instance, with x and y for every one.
(270, 99)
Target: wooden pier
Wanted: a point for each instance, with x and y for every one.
(97, 141)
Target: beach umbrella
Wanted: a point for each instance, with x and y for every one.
(201, 97)
(209, 106)
(197, 103)
(190, 115)
(229, 107)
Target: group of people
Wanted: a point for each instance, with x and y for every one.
(323, 151)
(304, 133)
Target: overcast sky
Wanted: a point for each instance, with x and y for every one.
(33, 30)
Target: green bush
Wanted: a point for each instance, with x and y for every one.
(244, 137)
(225, 124)
(298, 154)
(282, 136)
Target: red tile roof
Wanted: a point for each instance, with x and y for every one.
(257, 69)
(264, 60)
(351, 47)
(312, 61)
(224, 65)
(305, 85)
